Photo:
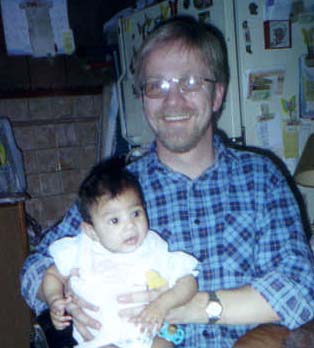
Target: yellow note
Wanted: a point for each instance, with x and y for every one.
(290, 133)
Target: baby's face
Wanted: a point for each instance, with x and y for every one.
(120, 223)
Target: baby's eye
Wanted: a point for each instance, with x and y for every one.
(136, 213)
(114, 221)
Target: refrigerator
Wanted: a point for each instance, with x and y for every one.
(270, 98)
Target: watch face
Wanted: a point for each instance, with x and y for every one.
(214, 309)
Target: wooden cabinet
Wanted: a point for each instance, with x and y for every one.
(15, 316)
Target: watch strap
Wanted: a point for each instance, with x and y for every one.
(213, 297)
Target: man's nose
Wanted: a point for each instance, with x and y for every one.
(174, 93)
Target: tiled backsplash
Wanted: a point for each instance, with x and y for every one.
(58, 139)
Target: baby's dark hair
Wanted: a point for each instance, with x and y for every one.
(107, 178)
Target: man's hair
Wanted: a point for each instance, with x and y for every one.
(108, 178)
(191, 35)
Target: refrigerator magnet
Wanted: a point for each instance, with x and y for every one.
(277, 34)
(247, 36)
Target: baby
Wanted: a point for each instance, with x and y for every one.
(117, 253)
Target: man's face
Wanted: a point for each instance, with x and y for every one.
(120, 224)
(180, 120)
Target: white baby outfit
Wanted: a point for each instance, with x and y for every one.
(102, 275)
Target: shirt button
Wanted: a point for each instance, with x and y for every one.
(206, 334)
(197, 221)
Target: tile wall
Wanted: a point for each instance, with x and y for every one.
(58, 139)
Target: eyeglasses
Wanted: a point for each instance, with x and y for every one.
(159, 87)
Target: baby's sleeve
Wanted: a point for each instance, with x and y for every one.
(178, 265)
(170, 265)
(64, 253)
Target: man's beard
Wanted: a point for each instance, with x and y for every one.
(181, 143)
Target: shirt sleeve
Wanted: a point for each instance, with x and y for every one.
(173, 265)
(284, 261)
(36, 264)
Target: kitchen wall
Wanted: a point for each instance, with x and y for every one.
(58, 139)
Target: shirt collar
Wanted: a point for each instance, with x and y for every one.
(222, 155)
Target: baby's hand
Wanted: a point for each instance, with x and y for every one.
(151, 318)
(58, 314)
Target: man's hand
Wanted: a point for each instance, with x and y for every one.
(81, 320)
(139, 297)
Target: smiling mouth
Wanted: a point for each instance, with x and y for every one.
(175, 118)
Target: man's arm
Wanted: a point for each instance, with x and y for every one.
(240, 306)
(36, 264)
(283, 262)
(282, 287)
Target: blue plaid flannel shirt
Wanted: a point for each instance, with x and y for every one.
(239, 219)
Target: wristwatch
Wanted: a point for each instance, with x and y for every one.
(214, 308)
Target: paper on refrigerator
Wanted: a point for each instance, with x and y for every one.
(38, 27)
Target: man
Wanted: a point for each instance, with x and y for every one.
(232, 210)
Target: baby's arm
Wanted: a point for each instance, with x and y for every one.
(53, 292)
(153, 315)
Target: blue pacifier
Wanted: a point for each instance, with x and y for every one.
(171, 333)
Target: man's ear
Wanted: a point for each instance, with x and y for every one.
(219, 95)
(89, 230)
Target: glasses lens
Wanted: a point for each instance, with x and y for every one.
(190, 84)
(156, 88)
(159, 88)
